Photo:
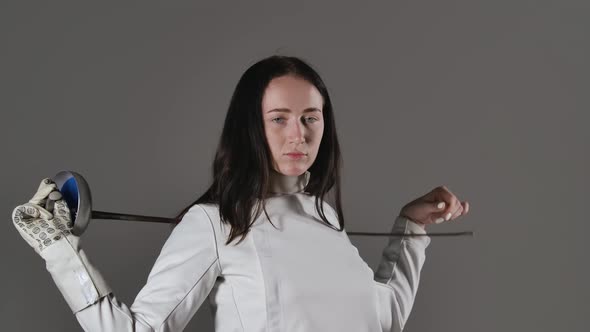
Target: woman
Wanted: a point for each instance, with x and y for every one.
(291, 266)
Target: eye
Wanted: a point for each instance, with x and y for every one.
(276, 120)
(311, 119)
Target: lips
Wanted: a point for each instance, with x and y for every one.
(296, 155)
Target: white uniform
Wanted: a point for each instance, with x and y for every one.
(301, 276)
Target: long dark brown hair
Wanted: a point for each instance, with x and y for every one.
(242, 164)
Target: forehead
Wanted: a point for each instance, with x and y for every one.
(291, 92)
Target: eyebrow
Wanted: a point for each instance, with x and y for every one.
(286, 110)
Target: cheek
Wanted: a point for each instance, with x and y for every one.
(317, 137)
(274, 141)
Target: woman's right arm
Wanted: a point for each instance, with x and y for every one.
(180, 280)
(398, 274)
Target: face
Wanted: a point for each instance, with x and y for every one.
(293, 122)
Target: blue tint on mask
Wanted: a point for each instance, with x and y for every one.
(70, 194)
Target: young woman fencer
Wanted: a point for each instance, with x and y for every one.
(293, 267)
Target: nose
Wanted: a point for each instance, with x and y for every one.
(297, 133)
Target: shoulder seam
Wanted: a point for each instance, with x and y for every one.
(214, 237)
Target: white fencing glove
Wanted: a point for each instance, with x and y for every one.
(50, 235)
(38, 226)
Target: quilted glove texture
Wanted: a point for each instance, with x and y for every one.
(43, 221)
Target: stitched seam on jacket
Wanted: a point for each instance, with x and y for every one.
(214, 238)
(395, 300)
(130, 318)
(81, 262)
(402, 244)
(384, 285)
(187, 293)
(236, 305)
(263, 280)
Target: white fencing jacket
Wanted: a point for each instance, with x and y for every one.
(300, 276)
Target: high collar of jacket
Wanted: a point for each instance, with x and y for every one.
(287, 184)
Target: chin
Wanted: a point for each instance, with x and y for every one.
(292, 170)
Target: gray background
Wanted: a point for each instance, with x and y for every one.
(489, 98)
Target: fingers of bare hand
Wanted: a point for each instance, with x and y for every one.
(444, 194)
(451, 202)
(455, 207)
(457, 211)
(465, 207)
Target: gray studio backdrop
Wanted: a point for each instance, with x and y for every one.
(489, 98)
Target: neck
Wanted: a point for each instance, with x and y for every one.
(287, 184)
